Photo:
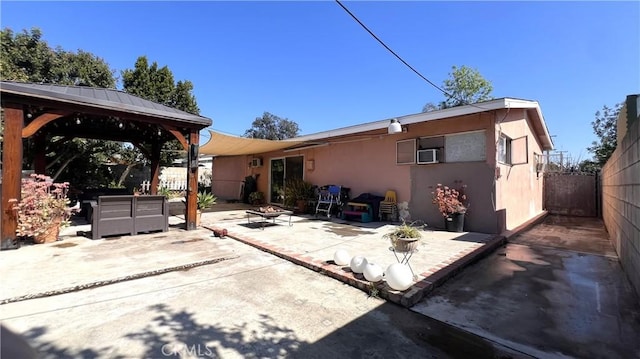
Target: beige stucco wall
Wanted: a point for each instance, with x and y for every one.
(228, 175)
(366, 163)
(621, 202)
(519, 191)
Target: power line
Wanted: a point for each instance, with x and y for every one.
(400, 58)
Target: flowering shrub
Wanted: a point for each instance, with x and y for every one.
(450, 200)
(43, 203)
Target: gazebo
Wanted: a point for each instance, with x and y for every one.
(41, 111)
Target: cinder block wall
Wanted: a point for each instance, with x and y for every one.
(621, 202)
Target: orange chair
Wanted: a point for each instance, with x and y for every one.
(389, 206)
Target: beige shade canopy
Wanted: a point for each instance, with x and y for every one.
(226, 145)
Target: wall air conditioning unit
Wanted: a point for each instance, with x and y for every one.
(431, 155)
(256, 162)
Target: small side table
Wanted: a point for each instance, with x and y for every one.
(404, 258)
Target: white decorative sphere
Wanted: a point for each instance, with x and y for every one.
(341, 257)
(399, 276)
(357, 264)
(372, 272)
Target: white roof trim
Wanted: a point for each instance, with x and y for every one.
(502, 103)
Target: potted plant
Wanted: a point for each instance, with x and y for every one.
(452, 204)
(256, 197)
(296, 194)
(204, 200)
(405, 237)
(43, 208)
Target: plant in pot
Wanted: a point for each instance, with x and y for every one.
(296, 194)
(204, 200)
(43, 208)
(405, 237)
(452, 204)
(256, 197)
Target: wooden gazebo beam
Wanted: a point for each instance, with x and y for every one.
(41, 121)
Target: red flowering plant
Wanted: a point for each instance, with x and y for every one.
(450, 200)
(43, 204)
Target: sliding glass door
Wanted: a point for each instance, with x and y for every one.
(282, 169)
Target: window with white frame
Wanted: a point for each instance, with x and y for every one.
(430, 150)
(406, 152)
(504, 149)
(513, 151)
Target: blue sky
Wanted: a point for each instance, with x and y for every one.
(313, 64)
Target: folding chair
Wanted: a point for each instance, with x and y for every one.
(328, 198)
(389, 206)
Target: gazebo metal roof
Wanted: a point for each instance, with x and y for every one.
(101, 98)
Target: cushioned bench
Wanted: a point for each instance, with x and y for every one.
(119, 215)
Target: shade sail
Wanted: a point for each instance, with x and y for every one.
(225, 145)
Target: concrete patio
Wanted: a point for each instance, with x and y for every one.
(77, 263)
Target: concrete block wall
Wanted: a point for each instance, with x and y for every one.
(621, 202)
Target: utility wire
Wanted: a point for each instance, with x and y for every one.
(400, 58)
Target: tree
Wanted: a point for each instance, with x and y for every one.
(588, 166)
(272, 127)
(26, 57)
(149, 82)
(605, 127)
(465, 86)
(157, 84)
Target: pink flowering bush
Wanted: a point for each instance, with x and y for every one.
(450, 200)
(43, 203)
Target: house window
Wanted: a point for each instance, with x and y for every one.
(513, 151)
(504, 149)
(406, 152)
(430, 150)
(466, 147)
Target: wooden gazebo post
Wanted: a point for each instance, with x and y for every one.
(192, 180)
(155, 166)
(11, 171)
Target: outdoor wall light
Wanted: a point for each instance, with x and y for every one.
(394, 127)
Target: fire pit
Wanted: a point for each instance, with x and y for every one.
(267, 213)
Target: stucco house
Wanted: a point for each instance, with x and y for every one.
(493, 147)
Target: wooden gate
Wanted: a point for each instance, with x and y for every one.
(572, 194)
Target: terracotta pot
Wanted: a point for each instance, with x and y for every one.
(301, 206)
(198, 216)
(49, 235)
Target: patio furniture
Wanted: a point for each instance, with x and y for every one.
(271, 215)
(119, 215)
(389, 206)
(329, 199)
(362, 212)
(89, 196)
(403, 257)
(372, 200)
